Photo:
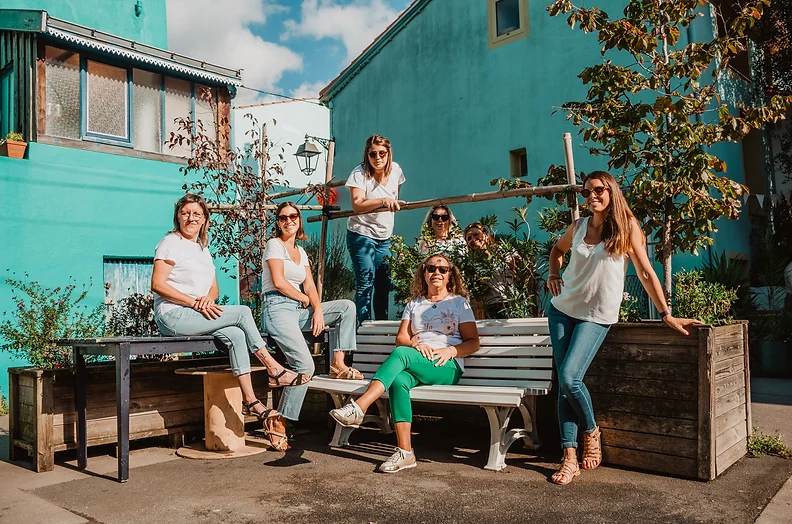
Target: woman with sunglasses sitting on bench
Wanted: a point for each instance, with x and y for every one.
(373, 186)
(287, 311)
(440, 233)
(437, 330)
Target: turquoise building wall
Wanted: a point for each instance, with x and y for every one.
(116, 17)
(63, 209)
(453, 109)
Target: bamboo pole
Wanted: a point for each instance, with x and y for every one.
(570, 170)
(325, 219)
(473, 197)
(224, 208)
(293, 192)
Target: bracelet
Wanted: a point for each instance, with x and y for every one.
(665, 313)
(554, 276)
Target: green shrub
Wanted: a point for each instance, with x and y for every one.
(760, 444)
(132, 316)
(3, 404)
(706, 301)
(17, 137)
(339, 280)
(630, 309)
(44, 315)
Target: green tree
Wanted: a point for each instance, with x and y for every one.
(655, 116)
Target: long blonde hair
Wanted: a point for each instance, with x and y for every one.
(455, 283)
(377, 140)
(618, 216)
(190, 198)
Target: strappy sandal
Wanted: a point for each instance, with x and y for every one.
(247, 409)
(278, 382)
(569, 470)
(349, 373)
(279, 440)
(592, 449)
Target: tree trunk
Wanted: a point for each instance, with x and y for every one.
(667, 248)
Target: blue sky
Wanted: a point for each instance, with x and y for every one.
(293, 47)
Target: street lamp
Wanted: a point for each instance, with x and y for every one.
(308, 154)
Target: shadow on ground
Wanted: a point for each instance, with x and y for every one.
(313, 483)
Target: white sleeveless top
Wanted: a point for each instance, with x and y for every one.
(593, 282)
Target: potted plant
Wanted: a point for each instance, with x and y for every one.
(13, 146)
(42, 417)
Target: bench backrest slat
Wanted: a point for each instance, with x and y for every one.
(513, 353)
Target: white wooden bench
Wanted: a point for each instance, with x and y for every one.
(512, 368)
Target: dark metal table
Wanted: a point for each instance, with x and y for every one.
(122, 349)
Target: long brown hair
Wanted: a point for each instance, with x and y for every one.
(455, 283)
(277, 232)
(190, 198)
(488, 238)
(377, 140)
(618, 216)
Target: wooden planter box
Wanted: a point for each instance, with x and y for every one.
(43, 421)
(673, 404)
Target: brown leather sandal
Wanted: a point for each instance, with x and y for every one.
(592, 449)
(349, 373)
(569, 470)
(279, 440)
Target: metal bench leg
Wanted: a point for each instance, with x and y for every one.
(341, 433)
(528, 412)
(499, 440)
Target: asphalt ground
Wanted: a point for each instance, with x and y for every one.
(314, 483)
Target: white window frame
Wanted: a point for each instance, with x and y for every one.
(523, 31)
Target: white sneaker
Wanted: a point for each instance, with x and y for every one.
(350, 415)
(398, 461)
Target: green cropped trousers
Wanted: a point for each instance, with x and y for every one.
(406, 368)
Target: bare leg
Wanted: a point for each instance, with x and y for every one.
(249, 396)
(338, 360)
(374, 391)
(274, 368)
(403, 436)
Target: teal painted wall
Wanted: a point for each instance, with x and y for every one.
(453, 109)
(116, 17)
(64, 209)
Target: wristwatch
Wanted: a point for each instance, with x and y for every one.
(665, 313)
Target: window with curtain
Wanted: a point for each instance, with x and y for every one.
(126, 276)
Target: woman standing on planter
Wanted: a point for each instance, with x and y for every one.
(185, 289)
(287, 310)
(374, 184)
(586, 302)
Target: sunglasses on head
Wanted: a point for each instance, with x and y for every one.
(597, 191)
(283, 218)
(430, 268)
(374, 154)
(441, 218)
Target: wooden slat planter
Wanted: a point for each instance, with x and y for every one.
(43, 421)
(673, 404)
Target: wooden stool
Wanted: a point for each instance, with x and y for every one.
(224, 424)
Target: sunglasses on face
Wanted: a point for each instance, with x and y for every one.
(374, 154)
(283, 218)
(597, 191)
(440, 218)
(429, 268)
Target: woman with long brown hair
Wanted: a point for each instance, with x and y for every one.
(373, 186)
(586, 302)
(437, 330)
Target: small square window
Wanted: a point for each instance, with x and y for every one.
(508, 21)
(518, 163)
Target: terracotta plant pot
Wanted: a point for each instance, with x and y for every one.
(13, 149)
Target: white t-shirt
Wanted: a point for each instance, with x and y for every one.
(375, 225)
(437, 323)
(294, 273)
(192, 274)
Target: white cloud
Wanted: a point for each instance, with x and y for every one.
(308, 89)
(356, 23)
(219, 32)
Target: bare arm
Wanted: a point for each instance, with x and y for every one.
(470, 344)
(282, 285)
(649, 280)
(361, 204)
(556, 258)
(405, 336)
(317, 321)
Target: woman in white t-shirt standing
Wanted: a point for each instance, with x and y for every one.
(437, 330)
(373, 185)
(287, 310)
(185, 289)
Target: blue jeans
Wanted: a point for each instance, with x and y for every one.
(372, 274)
(235, 328)
(575, 342)
(285, 320)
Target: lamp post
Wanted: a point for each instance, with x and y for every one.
(309, 154)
